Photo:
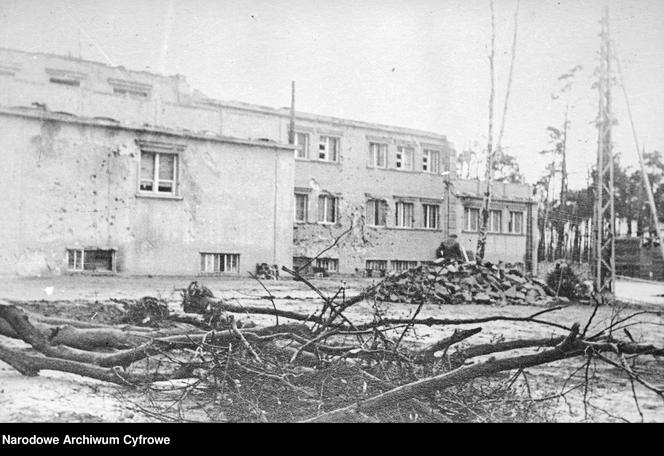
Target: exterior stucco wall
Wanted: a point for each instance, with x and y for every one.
(354, 182)
(172, 104)
(68, 185)
(504, 246)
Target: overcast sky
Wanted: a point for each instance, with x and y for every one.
(417, 63)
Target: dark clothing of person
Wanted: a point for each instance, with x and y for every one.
(450, 249)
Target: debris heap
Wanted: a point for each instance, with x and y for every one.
(463, 283)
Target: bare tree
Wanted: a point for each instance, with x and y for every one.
(481, 242)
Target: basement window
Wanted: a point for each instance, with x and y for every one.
(90, 260)
(401, 265)
(377, 265)
(328, 264)
(216, 263)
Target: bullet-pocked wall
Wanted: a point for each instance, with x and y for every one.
(379, 201)
(393, 185)
(79, 185)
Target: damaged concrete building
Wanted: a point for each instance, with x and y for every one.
(129, 171)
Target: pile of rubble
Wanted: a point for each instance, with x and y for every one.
(463, 283)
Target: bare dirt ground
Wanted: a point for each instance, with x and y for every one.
(56, 396)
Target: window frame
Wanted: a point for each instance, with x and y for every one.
(467, 211)
(131, 89)
(335, 201)
(403, 151)
(79, 259)
(400, 214)
(510, 226)
(427, 216)
(376, 265)
(157, 148)
(215, 258)
(402, 265)
(325, 140)
(306, 207)
(374, 148)
(427, 156)
(302, 147)
(327, 263)
(491, 228)
(378, 214)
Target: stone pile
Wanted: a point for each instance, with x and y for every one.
(463, 283)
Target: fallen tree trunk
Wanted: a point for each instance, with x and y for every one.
(428, 352)
(30, 366)
(391, 398)
(22, 328)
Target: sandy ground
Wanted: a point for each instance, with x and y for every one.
(55, 396)
(640, 291)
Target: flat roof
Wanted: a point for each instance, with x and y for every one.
(40, 114)
(281, 112)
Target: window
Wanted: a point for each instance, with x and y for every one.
(377, 155)
(377, 265)
(90, 260)
(131, 92)
(404, 158)
(328, 264)
(404, 215)
(214, 263)
(158, 172)
(302, 145)
(431, 216)
(496, 222)
(471, 217)
(301, 207)
(516, 223)
(130, 88)
(400, 265)
(376, 212)
(65, 81)
(328, 149)
(327, 209)
(430, 161)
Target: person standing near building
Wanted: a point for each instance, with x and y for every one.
(450, 249)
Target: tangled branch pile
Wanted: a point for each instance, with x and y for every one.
(323, 366)
(463, 283)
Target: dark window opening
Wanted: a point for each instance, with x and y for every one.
(90, 260)
(63, 81)
(134, 93)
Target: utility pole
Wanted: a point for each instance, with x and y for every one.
(604, 264)
(644, 171)
(291, 127)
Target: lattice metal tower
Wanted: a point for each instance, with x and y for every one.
(604, 264)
